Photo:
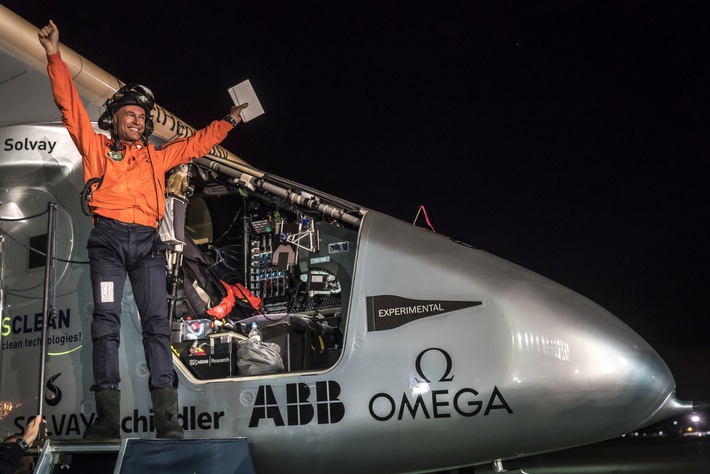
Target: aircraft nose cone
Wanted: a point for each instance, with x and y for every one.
(626, 375)
(590, 369)
(622, 369)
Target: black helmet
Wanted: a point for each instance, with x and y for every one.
(130, 94)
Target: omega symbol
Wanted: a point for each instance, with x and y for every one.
(447, 358)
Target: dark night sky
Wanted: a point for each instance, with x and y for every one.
(569, 137)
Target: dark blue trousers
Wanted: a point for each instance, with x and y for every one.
(117, 250)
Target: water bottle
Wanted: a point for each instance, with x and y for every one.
(254, 334)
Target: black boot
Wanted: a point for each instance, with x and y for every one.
(165, 408)
(108, 410)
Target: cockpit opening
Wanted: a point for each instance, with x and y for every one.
(242, 254)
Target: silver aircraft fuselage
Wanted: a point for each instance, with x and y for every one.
(450, 356)
(446, 355)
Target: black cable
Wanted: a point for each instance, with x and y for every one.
(7, 219)
(85, 194)
(39, 252)
(226, 232)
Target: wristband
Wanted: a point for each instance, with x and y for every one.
(231, 120)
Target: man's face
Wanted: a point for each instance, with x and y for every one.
(130, 123)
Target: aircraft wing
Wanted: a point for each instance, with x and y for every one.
(24, 93)
(26, 97)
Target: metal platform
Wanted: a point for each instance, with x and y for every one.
(145, 456)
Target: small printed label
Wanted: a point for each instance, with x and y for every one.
(338, 247)
(107, 292)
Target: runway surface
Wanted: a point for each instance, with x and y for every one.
(618, 456)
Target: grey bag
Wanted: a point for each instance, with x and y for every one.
(258, 358)
(172, 226)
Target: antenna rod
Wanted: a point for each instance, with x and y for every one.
(48, 308)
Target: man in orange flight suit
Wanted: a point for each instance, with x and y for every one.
(127, 207)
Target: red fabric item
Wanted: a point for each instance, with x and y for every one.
(225, 306)
(234, 291)
(240, 291)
